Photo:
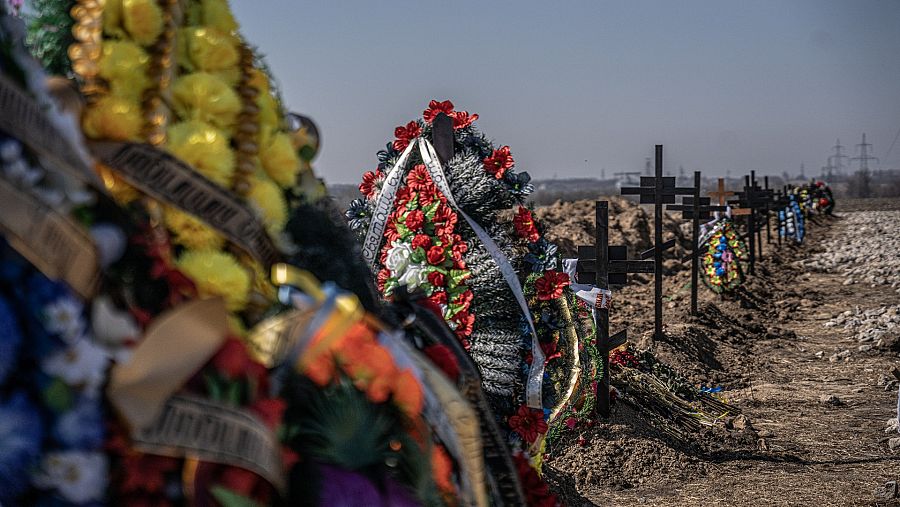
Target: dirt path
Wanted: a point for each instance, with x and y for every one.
(818, 413)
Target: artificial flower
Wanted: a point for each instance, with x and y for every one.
(499, 162)
(541, 256)
(371, 183)
(78, 477)
(191, 232)
(81, 427)
(112, 19)
(205, 97)
(537, 492)
(232, 359)
(270, 410)
(81, 366)
(217, 14)
(528, 423)
(550, 285)
(398, 257)
(518, 184)
(439, 298)
(268, 200)
(217, 274)
(443, 358)
(418, 178)
(406, 134)
(437, 279)
(462, 119)
(145, 474)
(210, 50)
(435, 108)
(422, 241)
(21, 434)
(205, 148)
(64, 318)
(414, 277)
(415, 219)
(382, 278)
(113, 118)
(623, 358)
(269, 112)
(408, 394)
(465, 323)
(442, 469)
(436, 255)
(279, 159)
(143, 20)
(523, 222)
(124, 65)
(444, 220)
(357, 214)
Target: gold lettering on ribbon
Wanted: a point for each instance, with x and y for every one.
(168, 179)
(21, 117)
(193, 427)
(57, 246)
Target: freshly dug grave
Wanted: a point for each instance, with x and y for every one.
(814, 406)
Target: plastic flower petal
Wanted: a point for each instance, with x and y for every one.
(210, 50)
(124, 65)
(280, 160)
(113, 118)
(217, 14)
(217, 274)
(205, 97)
(268, 199)
(143, 20)
(205, 148)
(79, 477)
(192, 232)
(82, 366)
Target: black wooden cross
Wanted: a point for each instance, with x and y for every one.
(605, 266)
(751, 199)
(695, 208)
(657, 190)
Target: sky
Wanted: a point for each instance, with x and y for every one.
(587, 88)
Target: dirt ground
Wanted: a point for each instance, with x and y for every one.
(817, 415)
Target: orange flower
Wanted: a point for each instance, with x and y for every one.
(408, 394)
(442, 469)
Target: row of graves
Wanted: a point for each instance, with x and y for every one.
(187, 319)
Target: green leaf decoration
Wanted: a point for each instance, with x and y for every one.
(228, 498)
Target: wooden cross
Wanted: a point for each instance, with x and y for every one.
(751, 199)
(694, 208)
(721, 195)
(605, 266)
(658, 191)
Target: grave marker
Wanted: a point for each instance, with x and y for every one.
(694, 208)
(657, 190)
(605, 266)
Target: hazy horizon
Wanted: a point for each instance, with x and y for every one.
(591, 86)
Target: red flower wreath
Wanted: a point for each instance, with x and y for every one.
(524, 225)
(499, 162)
(528, 423)
(551, 284)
